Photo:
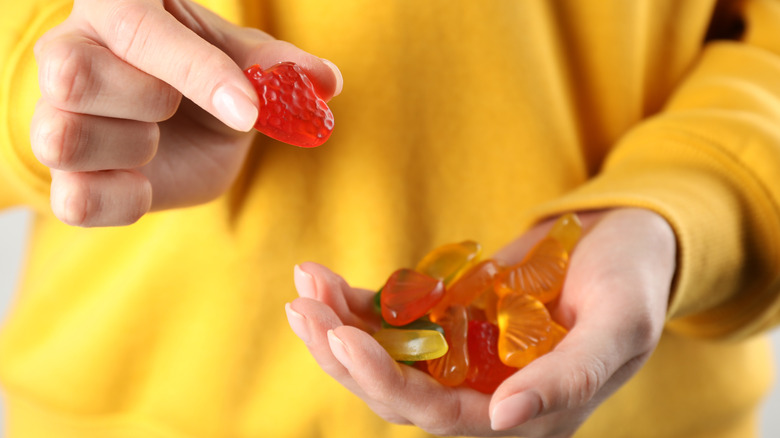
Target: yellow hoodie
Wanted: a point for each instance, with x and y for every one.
(459, 120)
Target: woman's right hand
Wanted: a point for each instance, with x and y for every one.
(145, 106)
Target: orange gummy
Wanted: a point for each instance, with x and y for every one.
(526, 330)
(451, 369)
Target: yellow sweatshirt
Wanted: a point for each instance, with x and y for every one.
(459, 120)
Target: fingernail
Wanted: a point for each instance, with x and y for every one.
(298, 324)
(337, 73)
(304, 283)
(235, 108)
(514, 411)
(340, 350)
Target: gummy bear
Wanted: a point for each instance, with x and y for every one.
(290, 109)
(409, 295)
(486, 371)
(412, 345)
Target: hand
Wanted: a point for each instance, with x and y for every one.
(112, 125)
(614, 303)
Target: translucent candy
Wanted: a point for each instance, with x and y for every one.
(412, 345)
(526, 330)
(540, 274)
(543, 270)
(409, 295)
(469, 286)
(567, 230)
(451, 369)
(448, 261)
(486, 371)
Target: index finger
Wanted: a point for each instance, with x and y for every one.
(145, 35)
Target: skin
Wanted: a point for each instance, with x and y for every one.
(129, 123)
(145, 106)
(614, 303)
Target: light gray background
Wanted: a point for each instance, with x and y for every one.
(13, 230)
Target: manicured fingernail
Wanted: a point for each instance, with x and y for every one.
(304, 283)
(514, 411)
(339, 349)
(298, 323)
(235, 108)
(337, 73)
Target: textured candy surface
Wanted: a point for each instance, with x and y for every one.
(486, 371)
(451, 369)
(412, 345)
(409, 295)
(526, 330)
(448, 261)
(290, 109)
(540, 274)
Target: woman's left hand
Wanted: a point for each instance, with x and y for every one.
(614, 304)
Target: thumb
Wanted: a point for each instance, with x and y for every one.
(575, 376)
(190, 48)
(248, 46)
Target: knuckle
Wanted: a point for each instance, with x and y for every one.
(64, 74)
(442, 418)
(585, 381)
(126, 27)
(56, 141)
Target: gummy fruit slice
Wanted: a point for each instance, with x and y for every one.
(290, 109)
(526, 330)
(412, 345)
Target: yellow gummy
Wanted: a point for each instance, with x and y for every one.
(567, 230)
(448, 261)
(412, 345)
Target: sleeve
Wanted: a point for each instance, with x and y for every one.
(709, 162)
(23, 179)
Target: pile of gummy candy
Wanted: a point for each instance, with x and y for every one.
(473, 322)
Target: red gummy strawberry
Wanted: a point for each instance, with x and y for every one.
(290, 109)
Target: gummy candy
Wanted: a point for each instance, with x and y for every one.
(414, 345)
(448, 261)
(290, 109)
(526, 330)
(494, 319)
(409, 295)
(451, 368)
(486, 371)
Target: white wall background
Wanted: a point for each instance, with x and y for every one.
(13, 231)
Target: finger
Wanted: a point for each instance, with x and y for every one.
(87, 199)
(78, 75)
(144, 34)
(409, 392)
(75, 142)
(311, 320)
(353, 306)
(248, 46)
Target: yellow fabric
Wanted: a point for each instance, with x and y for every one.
(459, 120)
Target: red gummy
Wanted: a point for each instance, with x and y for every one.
(409, 295)
(486, 371)
(290, 109)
